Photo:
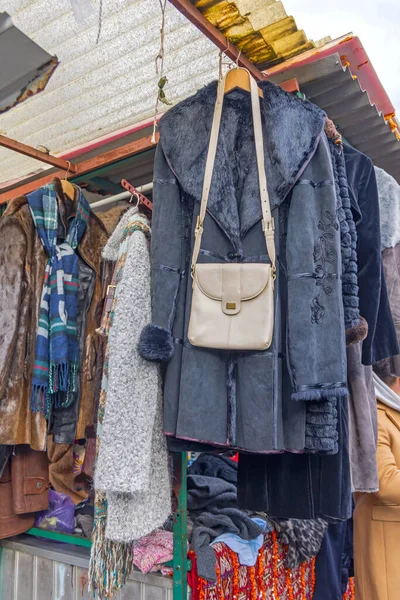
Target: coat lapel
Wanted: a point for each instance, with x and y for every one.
(291, 131)
(392, 414)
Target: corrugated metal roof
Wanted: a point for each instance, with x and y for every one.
(27, 68)
(260, 29)
(332, 87)
(98, 89)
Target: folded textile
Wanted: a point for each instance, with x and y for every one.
(247, 550)
(303, 537)
(212, 504)
(214, 465)
(152, 550)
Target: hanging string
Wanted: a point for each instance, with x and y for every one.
(159, 63)
(100, 22)
(228, 63)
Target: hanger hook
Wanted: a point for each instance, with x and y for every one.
(237, 59)
(68, 170)
(135, 195)
(221, 56)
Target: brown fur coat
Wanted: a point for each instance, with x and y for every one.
(22, 265)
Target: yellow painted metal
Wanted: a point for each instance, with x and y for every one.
(260, 29)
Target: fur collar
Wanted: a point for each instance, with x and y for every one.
(292, 129)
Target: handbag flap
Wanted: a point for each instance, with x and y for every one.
(232, 283)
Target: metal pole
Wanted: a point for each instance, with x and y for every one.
(180, 560)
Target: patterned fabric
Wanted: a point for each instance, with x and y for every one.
(303, 538)
(152, 550)
(350, 593)
(268, 580)
(57, 352)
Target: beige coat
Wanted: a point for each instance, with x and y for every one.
(377, 519)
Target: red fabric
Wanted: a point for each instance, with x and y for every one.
(268, 580)
(350, 593)
(243, 583)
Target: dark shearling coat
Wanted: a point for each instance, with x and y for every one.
(254, 401)
(22, 265)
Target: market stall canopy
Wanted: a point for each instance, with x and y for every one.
(358, 112)
(260, 29)
(98, 89)
(25, 67)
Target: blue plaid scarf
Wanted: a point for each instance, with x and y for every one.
(56, 364)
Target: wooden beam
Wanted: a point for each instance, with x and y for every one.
(195, 16)
(21, 148)
(291, 85)
(84, 167)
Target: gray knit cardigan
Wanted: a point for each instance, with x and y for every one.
(132, 466)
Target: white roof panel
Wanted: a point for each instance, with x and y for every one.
(98, 89)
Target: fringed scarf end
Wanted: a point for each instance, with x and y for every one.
(38, 398)
(111, 563)
(63, 377)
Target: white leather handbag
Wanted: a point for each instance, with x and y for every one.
(233, 304)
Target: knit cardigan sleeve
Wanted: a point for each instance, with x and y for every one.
(125, 446)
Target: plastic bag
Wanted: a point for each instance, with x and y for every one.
(60, 516)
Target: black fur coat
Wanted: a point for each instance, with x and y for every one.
(254, 401)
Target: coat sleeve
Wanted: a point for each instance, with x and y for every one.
(13, 247)
(374, 303)
(156, 341)
(388, 471)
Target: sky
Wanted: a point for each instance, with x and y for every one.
(376, 23)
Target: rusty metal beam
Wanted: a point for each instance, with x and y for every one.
(83, 167)
(195, 16)
(21, 148)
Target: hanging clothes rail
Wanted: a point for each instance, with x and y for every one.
(79, 169)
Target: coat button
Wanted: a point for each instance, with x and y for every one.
(39, 485)
(232, 255)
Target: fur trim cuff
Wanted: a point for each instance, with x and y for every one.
(320, 394)
(156, 344)
(358, 333)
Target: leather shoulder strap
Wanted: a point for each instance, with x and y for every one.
(268, 222)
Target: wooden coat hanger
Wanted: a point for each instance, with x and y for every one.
(68, 189)
(239, 78)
